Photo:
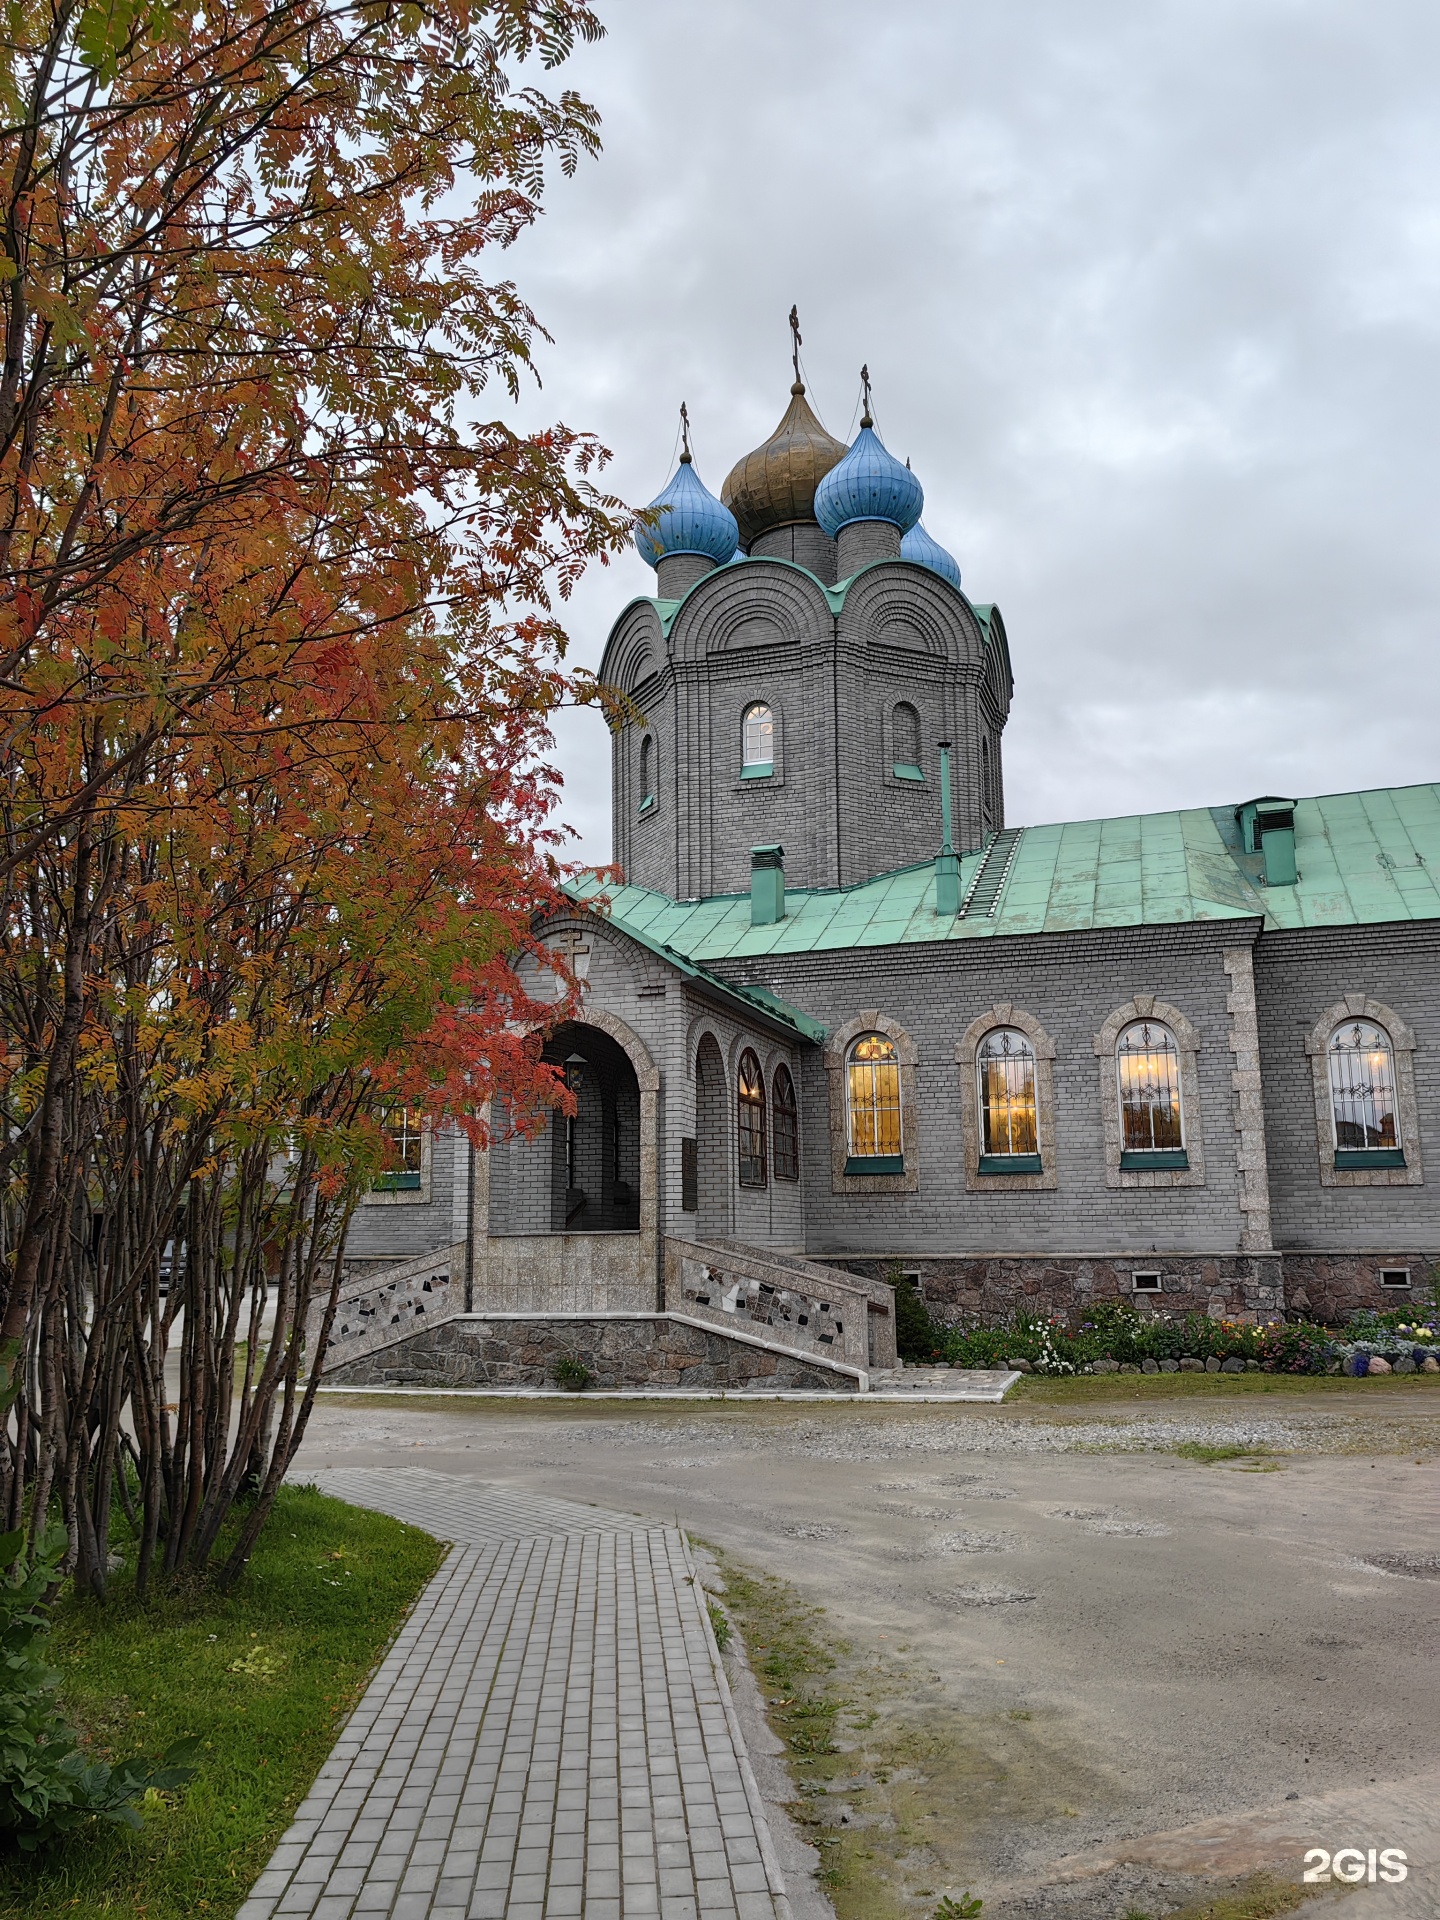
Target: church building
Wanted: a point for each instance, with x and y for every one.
(844, 1021)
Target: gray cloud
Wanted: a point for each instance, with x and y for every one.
(1149, 293)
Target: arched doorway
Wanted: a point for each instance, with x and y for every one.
(594, 1153)
(712, 1156)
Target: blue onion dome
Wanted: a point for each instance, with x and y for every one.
(868, 484)
(925, 552)
(691, 520)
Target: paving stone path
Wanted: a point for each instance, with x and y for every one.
(551, 1734)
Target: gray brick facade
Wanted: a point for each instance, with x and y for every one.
(833, 667)
(864, 679)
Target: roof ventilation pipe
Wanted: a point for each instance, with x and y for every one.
(947, 861)
(1267, 827)
(767, 886)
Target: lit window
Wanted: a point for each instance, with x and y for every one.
(1362, 1089)
(1006, 1067)
(905, 740)
(751, 1109)
(872, 1099)
(758, 737)
(1148, 1062)
(403, 1139)
(786, 1150)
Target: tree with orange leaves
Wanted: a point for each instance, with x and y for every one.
(278, 646)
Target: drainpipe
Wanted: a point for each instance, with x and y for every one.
(947, 861)
(470, 1227)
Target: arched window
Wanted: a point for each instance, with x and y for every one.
(1005, 1069)
(647, 772)
(905, 741)
(1362, 1089)
(750, 1088)
(757, 746)
(786, 1150)
(1147, 1061)
(872, 1099)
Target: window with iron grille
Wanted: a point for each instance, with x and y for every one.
(786, 1150)
(750, 1104)
(1148, 1064)
(872, 1099)
(1005, 1065)
(1362, 1088)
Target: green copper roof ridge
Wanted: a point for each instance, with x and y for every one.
(759, 997)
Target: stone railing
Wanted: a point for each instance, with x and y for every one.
(784, 1300)
(377, 1309)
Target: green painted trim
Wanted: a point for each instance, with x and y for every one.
(646, 804)
(762, 770)
(1356, 1159)
(876, 1163)
(903, 771)
(1161, 1160)
(1010, 1163)
(395, 1183)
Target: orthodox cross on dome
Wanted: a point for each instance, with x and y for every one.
(795, 345)
(685, 454)
(865, 419)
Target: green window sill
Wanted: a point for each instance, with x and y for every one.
(1356, 1159)
(871, 1163)
(647, 804)
(395, 1183)
(761, 771)
(1161, 1160)
(1010, 1163)
(902, 771)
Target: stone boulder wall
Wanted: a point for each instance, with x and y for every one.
(990, 1289)
(649, 1350)
(1332, 1286)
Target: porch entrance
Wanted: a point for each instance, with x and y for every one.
(594, 1155)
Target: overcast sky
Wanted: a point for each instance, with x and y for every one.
(1150, 296)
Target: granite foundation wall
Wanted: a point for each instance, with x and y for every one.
(648, 1350)
(1332, 1286)
(991, 1287)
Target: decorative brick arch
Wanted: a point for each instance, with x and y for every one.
(1359, 1006)
(837, 1046)
(1187, 1040)
(1004, 1014)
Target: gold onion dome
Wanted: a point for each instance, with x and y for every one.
(775, 485)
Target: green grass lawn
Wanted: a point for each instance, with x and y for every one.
(1080, 1388)
(264, 1675)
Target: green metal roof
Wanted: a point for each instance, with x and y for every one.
(1363, 859)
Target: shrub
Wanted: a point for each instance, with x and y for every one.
(917, 1337)
(570, 1375)
(47, 1785)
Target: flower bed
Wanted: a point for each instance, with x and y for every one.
(1117, 1335)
